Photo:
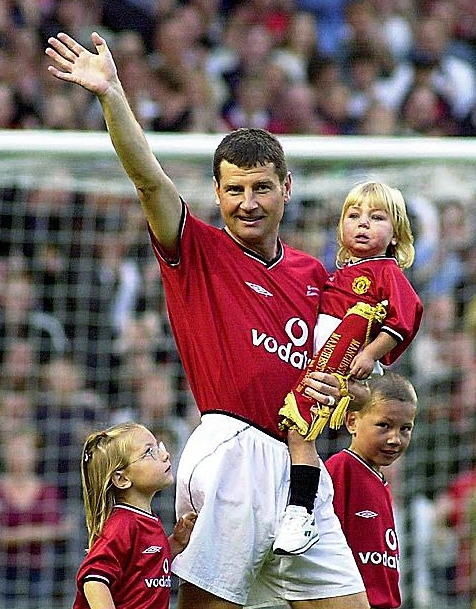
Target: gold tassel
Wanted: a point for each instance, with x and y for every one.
(318, 423)
(292, 416)
(338, 416)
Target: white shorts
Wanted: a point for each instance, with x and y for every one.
(237, 479)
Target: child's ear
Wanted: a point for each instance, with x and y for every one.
(350, 420)
(120, 480)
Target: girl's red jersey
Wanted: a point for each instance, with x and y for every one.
(132, 557)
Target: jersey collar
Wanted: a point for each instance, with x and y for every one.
(252, 254)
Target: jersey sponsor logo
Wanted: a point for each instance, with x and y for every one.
(366, 514)
(387, 559)
(152, 550)
(164, 581)
(391, 539)
(258, 289)
(298, 333)
(380, 558)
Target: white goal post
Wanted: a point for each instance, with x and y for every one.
(198, 146)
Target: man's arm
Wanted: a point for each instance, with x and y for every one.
(97, 73)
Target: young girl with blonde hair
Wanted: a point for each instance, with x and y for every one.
(128, 563)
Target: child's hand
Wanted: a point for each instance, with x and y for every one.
(182, 531)
(361, 366)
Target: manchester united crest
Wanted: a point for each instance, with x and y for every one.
(361, 285)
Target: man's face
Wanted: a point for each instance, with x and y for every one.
(252, 205)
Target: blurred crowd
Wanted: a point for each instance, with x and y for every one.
(84, 335)
(334, 67)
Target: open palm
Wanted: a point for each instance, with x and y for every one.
(74, 63)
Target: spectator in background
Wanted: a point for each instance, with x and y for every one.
(330, 22)
(20, 367)
(71, 15)
(443, 353)
(66, 413)
(455, 231)
(424, 112)
(471, 516)
(20, 319)
(8, 107)
(32, 519)
(16, 411)
(298, 48)
(363, 28)
(334, 110)
(137, 15)
(378, 119)
(452, 79)
(61, 113)
(249, 106)
(156, 404)
(107, 271)
(298, 111)
(253, 52)
(396, 19)
(133, 62)
(140, 348)
(170, 94)
(364, 76)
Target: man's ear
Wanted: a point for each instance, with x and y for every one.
(287, 188)
(120, 480)
(216, 189)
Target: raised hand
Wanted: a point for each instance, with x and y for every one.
(96, 72)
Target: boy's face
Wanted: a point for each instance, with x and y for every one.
(381, 434)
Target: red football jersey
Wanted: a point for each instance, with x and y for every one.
(373, 280)
(132, 557)
(243, 326)
(363, 504)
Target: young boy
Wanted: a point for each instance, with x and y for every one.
(381, 431)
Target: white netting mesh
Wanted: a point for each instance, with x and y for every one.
(85, 339)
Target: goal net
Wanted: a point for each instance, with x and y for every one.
(85, 339)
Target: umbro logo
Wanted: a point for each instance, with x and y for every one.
(366, 514)
(152, 550)
(312, 290)
(258, 289)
